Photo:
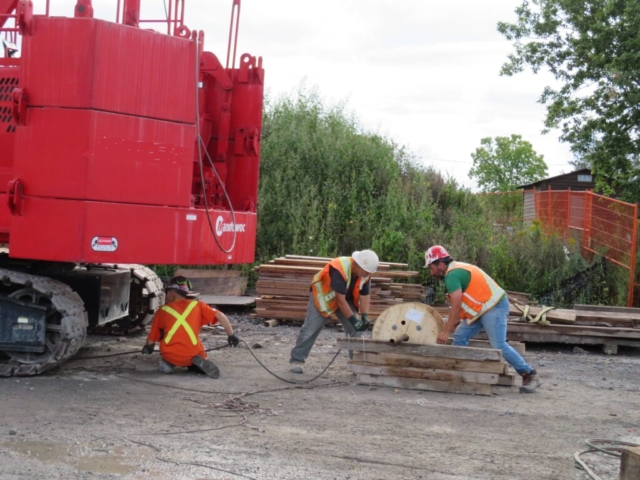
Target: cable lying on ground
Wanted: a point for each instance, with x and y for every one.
(613, 448)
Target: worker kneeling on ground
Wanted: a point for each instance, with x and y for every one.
(177, 327)
(342, 286)
(477, 303)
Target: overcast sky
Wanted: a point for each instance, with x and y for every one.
(423, 72)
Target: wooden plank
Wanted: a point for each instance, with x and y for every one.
(630, 463)
(271, 323)
(227, 300)
(312, 263)
(416, 361)
(327, 259)
(542, 337)
(507, 380)
(521, 297)
(419, 384)
(424, 373)
(296, 270)
(478, 343)
(607, 308)
(446, 351)
(577, 330)
(612, 318)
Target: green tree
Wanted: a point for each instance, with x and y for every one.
(503, 163)
(592, 47)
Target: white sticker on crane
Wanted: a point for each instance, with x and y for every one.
(104, 244)
(191, 217)
(414, 315)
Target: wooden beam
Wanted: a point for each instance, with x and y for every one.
(612, 318)
(607, 308)
(424, 373)
(577, 330)
(630, 463)
(445, 351)
(478, 343)
(419, 384)
(549, 337)
(507, 380)
(394, 359)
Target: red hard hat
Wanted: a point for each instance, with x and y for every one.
(437, 252)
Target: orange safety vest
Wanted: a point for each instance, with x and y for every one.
(482, 294)
(324, 297)
(177, 326)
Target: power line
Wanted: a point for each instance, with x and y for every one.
(469, 162)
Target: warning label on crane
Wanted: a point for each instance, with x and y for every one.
(104, 244)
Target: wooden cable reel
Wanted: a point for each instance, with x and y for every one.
(412, 322)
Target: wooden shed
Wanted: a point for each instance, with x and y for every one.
(577, 181)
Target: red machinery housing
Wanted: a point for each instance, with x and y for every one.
(118, 144)
(99, 143)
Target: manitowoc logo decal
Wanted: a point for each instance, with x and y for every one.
(222, 227)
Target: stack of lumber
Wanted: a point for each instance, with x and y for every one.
(440, 368)
(283, 287)
(608, 327)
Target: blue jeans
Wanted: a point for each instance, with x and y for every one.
(494, 323)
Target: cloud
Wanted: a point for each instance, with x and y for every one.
(425, 72)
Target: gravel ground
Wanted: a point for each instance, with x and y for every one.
(118, 417)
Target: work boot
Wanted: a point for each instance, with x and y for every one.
(296, 367)
(207, 366)
(165, 367)
(530, 381)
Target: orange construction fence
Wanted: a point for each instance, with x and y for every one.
(605, 226)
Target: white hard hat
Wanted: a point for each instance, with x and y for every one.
(367, 260)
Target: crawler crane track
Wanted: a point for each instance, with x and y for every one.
(147, 296)
(66, 327)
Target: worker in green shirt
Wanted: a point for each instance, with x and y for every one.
(477, 303)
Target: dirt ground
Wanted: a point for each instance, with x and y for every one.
(118, 417)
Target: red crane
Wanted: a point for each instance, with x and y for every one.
(119, 145)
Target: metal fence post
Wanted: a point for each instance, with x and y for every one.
(632, 267)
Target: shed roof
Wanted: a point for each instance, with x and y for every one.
(582, 171)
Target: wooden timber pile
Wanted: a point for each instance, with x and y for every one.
(283, 287)
(440, 368)
(609, 327)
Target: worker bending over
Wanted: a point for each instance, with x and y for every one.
(341, 287)
(177, 327)
(477, 303)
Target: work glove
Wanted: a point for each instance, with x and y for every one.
(365, 321)
(356, 323)
(233, 340)
(147, 349)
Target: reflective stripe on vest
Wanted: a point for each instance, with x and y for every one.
(181, 321)
(482, 294)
